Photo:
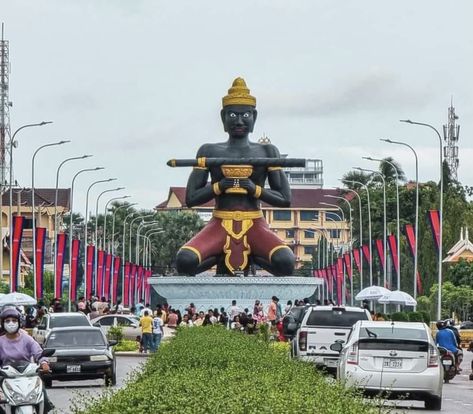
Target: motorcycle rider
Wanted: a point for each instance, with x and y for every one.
(17, 345)
(450, 324)
(446, 339)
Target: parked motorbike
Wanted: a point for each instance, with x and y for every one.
(447, 358)
(22, 388)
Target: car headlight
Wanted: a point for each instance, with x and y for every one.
(52, 359)
(98, 358)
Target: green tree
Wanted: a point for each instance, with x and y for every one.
(460, 273)
(389, 172)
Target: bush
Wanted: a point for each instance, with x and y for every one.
(125, 345)
(400, 317)
(115, 332)
(213, 370)
(415, 317)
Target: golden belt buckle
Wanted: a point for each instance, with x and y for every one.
(238, 216)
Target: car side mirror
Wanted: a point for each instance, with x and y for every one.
(97, 325)
(337, 347)
(112, 342)
(47, 352)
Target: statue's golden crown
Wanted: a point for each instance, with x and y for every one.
(239, 94)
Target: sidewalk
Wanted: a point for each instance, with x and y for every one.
(168, 334)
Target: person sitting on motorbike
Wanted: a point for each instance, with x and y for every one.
(17, 345)
(446, 339)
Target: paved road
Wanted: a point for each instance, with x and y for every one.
(62, 392)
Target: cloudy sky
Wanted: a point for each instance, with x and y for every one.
(137, 82)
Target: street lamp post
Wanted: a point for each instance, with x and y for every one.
(416, 229)
(439, 304)
(123, 251)
(397, 214)
(127, 206)
(97, 222)
(351, 241)
(13, 144)
(384, 221)
(131, 229)
(71, 204)
(33, 206)
(55, 205)
(104, 238)
(137, 247)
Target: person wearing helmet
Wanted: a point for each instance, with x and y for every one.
(446, 339)
(17, 345)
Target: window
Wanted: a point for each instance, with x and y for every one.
(309, 215)
(330, 215)
(335, 233)
(335, 317)
(289, 234)
(309, 234)
(108, 321)
(282, 215)
(309, 249)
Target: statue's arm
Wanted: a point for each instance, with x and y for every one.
(198, 190)
(279, 193)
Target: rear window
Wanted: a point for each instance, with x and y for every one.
(67, 321)
(393, 333)
(335, 317)
(392, 344)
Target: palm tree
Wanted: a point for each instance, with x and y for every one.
(388, 171)
(359, 176)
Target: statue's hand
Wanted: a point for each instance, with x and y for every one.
(247, 184)
(225, 184)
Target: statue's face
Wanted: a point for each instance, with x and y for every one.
(238, 120)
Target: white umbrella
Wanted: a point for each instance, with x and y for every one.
(398, 297)
(372, 293)
(17, 299)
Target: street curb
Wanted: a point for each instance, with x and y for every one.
(132, 354)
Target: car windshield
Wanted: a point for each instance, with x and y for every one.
(335, 317)
(66, 321)
(375, 332)
(75, 339)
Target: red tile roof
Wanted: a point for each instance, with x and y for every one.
(43, 196)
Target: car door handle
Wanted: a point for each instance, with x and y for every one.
(340, 333)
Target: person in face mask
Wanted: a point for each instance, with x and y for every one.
(17, 345)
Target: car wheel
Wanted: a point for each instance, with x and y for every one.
(433, 403)
(48, 383)
(111, 378)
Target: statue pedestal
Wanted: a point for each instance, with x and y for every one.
(208, 292)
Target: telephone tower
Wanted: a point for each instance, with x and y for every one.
(451, 132)
(4, 108)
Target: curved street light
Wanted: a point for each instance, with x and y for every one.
(55, 203)
(127, 206)
(439, 304)
(13, 144)
(104, 238)
(416, 229)
(53, 144)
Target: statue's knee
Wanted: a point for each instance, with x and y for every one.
(283, 262)
(186, 262)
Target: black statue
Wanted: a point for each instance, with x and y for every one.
(237, 234)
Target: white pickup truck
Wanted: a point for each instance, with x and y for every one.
(321, 327)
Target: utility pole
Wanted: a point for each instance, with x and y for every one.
(5, 132)
(451, 133)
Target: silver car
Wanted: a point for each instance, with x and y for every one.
(398, 359)
(58, 320)
(130, 324)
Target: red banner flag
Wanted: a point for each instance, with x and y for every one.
(411, 241)
(15, 250)
(434, 218)
(347, 261)
(357, 258)
(393, 248)
(100, 272)
(340, 280)
(126, 287)
(330, 279)
(39, 260)
(74, 267)
(108, 270)
(366, 252)
(380, 249)
(89, 271)
(116, 272)
(61, 243)
(132, 284)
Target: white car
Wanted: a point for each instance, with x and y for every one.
(130, 324)
(399, 359)
(58, 320)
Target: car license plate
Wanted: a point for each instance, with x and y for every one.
(72, 368)
(395, 363)
(447, 362)
(331, 363)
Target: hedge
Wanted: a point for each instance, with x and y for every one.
(213, 370)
